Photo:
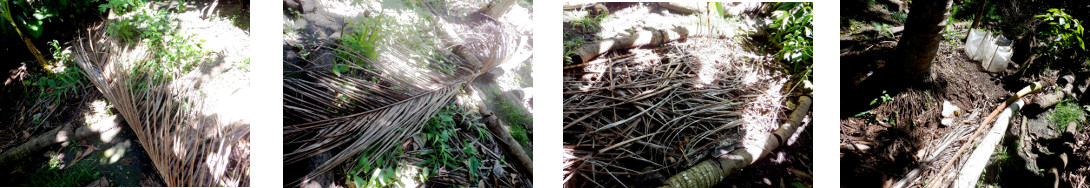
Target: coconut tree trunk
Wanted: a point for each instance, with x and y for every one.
(5, 10)
(920, 41)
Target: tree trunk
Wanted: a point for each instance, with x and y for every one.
(920, 41)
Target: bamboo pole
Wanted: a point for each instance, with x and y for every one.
(712, 171)
(1032, 88)
(970, 173)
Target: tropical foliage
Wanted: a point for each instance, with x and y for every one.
(793, 31)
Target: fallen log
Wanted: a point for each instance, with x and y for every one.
(588, 51)
(497, 128)
(58, 135)
(712, 171)
(684, 7)
(1032, 88)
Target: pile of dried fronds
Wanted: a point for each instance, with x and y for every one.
(639, 117)
(332, 118)
(189, 147)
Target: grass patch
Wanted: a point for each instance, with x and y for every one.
(1065, 113)
(589, 24)
(517, 118)
(65, 80)
(54, 174)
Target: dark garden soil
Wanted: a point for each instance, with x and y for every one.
(898, 127)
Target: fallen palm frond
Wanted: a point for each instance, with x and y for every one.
(712, 171)
(188, 147)
(372, 109)
(630, 119)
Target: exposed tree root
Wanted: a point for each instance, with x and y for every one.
(712, 171)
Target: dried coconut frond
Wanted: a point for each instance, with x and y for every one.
(187, 146)
(385, 109)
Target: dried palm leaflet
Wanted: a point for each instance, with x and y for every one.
(649, 115)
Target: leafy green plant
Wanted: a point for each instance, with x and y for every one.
(383, 173)
(1065, 113)
(171, 53)
(441, 133)
(362, 39)
(64, 82)
(120, 7)
(570, 45)
(1062, 33)
(589, 24)
(884, 98)
(793, 31)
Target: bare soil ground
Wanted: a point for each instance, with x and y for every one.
(899, 122)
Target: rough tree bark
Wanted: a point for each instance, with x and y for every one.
(496, 126)
(712, 171)
(920, 41)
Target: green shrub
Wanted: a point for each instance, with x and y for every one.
(171, 53)
(363, 39)
(64, 82)
(32, 16)
(589, 24)
(793, 31)
(383, 173)
(441, 134)
(1061, 34)
(120, 7)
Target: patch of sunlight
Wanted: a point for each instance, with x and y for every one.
(577, 14)
(644, 58)
(59, 67)
(470, 99)
(779, 157)
(347, 8)
(56, 161)
(115, 152)
(62, 136)
(798, 132)
(510, 80)
(411, 175)
(101, 120)
(760, 113)
(217, 163)
(520, 17)
(595, 69)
